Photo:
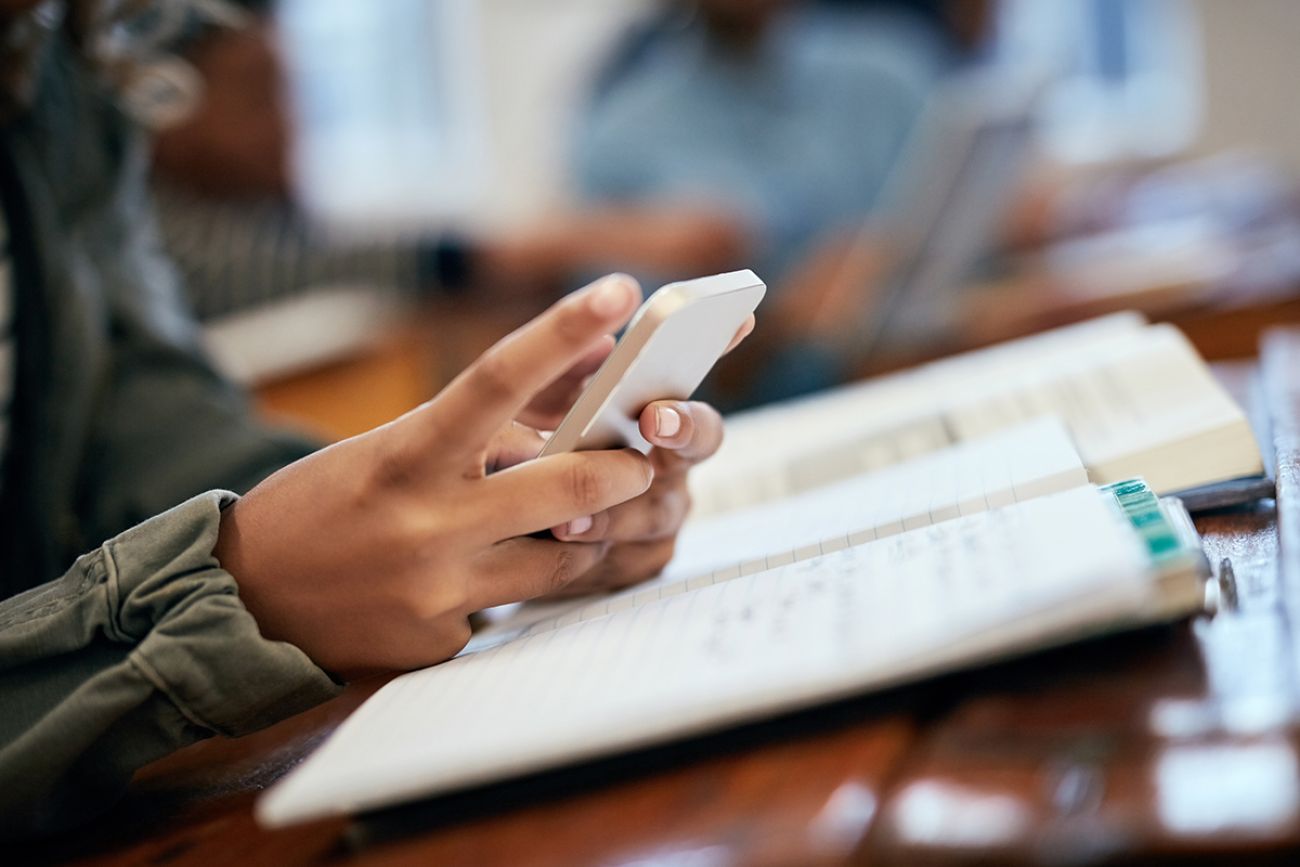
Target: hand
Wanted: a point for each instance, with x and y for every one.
(643, 531)
(372, 553)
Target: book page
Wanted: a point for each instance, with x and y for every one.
(1125, 398)
(893, 417)
(1018, 464)
(834, 625)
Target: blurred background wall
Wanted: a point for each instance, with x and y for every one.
(539, 54)
(539, 57)
(1108, 209)
(1251, 77)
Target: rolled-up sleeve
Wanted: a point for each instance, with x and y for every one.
(142, 647)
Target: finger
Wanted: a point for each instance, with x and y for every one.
(745, 329)
(520, 569)
(656, 514)
(690, 430)
(547, 409)
(622, 566)
(585, 528)
(555, 490)
(514, 444)
(493, 389)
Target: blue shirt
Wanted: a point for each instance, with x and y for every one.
(798, 135)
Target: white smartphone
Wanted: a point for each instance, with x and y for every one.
(668, 348)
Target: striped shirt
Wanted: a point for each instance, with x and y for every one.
(235, 255)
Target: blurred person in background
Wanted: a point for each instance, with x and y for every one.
(790, 115)
(222, 186)
(144, 604)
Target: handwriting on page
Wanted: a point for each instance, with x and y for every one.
(829, 626)
(1013, 465)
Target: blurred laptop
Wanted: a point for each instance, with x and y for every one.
(947, 199)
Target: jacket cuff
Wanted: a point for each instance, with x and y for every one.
(194, 639)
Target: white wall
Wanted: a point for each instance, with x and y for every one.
(539, 56)
(1252, 77)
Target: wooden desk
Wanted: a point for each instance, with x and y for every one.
(1154, 747)
(401, 369)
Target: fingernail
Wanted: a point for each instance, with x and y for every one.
(610, 296)
(578, 526)
(667, 421)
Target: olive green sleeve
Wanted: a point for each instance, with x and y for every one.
(140, 648)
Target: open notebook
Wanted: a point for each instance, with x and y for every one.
(918, 523)
(1136, 398)
(807, 626)
(1006, 467)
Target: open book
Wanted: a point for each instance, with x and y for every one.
(1136, 399)
(737, 647)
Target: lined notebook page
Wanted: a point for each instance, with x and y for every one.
(1017, 464)
(1122, 398)
(837, 624)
